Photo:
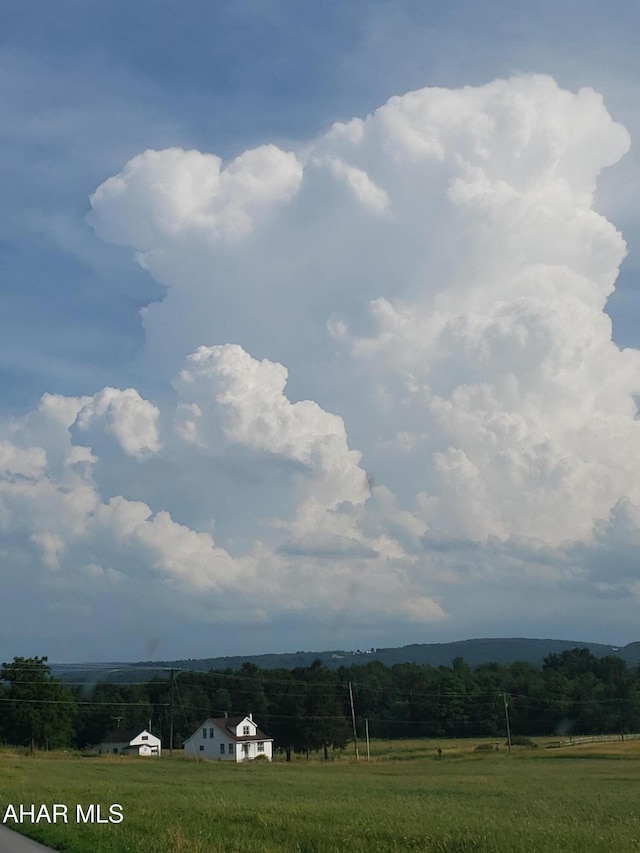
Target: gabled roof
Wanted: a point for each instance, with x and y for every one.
(231, 721)
(226, 726)
(121, 735)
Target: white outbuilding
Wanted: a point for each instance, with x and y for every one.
(129, 742)
(229, 739)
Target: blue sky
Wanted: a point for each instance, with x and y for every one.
(85, 88)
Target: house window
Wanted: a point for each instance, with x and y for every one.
(221, 749)
(211, 733)
(144, 737)
(260, 746)
(115, 750)
(246, 730)
(230, 749)
(204, 733)
(201, 748)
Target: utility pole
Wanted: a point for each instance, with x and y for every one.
(620, 720)
(506, 716)
(353, 720)
(366, 728)
(171, 715)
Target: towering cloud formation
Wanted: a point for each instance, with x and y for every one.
(512, 385)
(432, 280)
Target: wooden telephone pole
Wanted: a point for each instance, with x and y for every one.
(171, 714)
(506, 716)
(366, 729)
(353, 720)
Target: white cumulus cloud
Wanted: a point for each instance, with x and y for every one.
(167, 194)
(127, 416)
(394, 387)
(246, 398)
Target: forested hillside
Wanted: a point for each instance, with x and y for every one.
(307, 708)
(475, 652)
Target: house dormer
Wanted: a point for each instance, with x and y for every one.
(244, 727)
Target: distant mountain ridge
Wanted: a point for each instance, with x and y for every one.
(474, 652)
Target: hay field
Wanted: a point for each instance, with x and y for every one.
(565, 800)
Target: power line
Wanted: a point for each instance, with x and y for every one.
(330, 689)
(380, 721)
(83, 702)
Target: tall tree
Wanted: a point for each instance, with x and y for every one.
(38, 709)
(324, 724)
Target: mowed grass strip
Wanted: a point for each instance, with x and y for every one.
(531, 802)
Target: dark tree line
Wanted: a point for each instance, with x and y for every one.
(35, 709)
(308, 708)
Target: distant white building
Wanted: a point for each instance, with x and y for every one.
(129, 742)
(229, 739)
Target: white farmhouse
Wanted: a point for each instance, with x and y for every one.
(129, 742)
(229, 739)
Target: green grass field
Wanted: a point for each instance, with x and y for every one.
(575, 800)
